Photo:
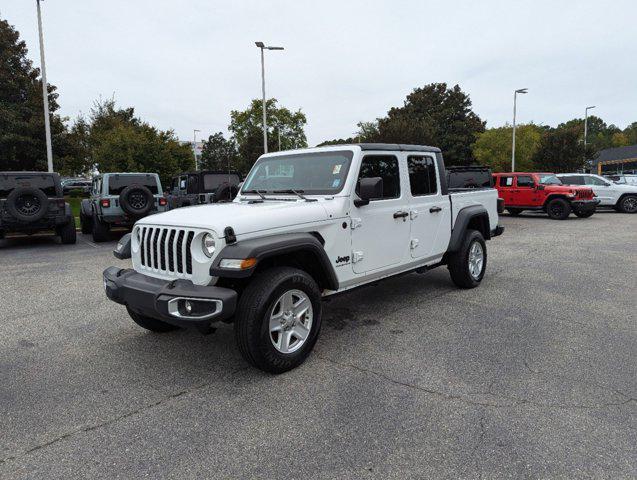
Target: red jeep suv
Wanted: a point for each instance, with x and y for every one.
(544, 192)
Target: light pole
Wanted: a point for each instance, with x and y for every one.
(263, 47)
(194, 147)
(278, 128)
(586, 123)
(45, 96)
(515, 99)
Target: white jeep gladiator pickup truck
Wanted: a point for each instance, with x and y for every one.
(306, 224)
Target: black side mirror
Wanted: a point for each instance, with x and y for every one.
(368, 189)
(539, 187)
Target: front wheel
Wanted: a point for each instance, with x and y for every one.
(558, 209)
(467, 265)
(278, 319)
(628, 204)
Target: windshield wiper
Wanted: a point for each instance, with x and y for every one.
(258, 192)
(298, 193)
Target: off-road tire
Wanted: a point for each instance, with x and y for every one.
(13, 209)
(99, 229)
(151, 324)
(67, 232)
(514, 212)
(558, 209)
(86, 225)
(585, 214)
(628, 204)
(125, 200)
(458, 263)
(251, 325)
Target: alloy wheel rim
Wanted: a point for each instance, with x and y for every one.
(291, 321)
(137, 201)
(476, 260)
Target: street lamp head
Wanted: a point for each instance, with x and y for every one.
(588, 108)
(260, 44)
(522, 90)
(274, 48)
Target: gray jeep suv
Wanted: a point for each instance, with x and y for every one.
(120, 199)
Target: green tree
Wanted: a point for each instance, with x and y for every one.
(219, 154)
(434, 115)
(493, 147)
(118, 141)
(631, 133)
(561, 150)
(22, 135)
(367, 132)
(247, 131)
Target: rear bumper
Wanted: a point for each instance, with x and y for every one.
(10, 224)
(585, 205)
(161, 299)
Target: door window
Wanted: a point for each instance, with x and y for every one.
(572, 180)
(525, 181)
(385, 167)
(422, 176)
(594, 182)
(506, 181)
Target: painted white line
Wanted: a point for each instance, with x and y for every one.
(90, 243)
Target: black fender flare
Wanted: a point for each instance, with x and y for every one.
(86, 208)
(263, 248)
(465, 216)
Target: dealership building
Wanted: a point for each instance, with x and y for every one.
(616, 161)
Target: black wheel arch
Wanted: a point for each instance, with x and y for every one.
(302, 250)
(555, 196)
(473, 217)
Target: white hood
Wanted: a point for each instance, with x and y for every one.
(243, 217)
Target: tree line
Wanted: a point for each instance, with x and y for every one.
(111, 138)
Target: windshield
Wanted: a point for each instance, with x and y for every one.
(549, 180)
(320, 173)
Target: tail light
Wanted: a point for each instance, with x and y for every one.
(105, 202)
(162, 202)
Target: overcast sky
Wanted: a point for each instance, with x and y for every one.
(186, 64)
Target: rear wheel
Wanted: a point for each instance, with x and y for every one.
(150, 323)
(278, 319)
(514, 212)
(85, 224)
(558, 209)
(467, 265)
(100, 230)
(67, 233)
(628, 204)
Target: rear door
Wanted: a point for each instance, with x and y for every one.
(604, 190)
(505, 189)
(429, 209)
(380, 235)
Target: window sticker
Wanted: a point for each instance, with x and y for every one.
(337, 169)
(336, 182)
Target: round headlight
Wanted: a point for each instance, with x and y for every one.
(208, 244)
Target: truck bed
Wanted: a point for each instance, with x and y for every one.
(465, 197)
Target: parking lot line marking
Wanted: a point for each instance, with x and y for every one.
(90, 243)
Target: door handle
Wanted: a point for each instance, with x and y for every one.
(435, 209)
(401, 214)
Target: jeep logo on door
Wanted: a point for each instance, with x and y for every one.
(342, 260)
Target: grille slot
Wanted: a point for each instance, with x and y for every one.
(166, 250)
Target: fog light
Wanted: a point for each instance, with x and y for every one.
(188, 307)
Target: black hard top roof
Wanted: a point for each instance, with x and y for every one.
(208, 172)
(394, 146)
(28, 173)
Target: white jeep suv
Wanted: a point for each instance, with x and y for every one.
(621, 197)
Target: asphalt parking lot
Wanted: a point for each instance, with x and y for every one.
(533, 374)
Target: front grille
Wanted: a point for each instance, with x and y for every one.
(166, 249)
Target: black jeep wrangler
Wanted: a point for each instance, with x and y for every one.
(32, 202)
(198, 188)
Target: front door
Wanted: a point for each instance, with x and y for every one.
(380, 235)
(430, 211)
(525, 190)
(604, 190)
(505, 187)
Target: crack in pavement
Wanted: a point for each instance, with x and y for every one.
(111, 421)
(511, 401)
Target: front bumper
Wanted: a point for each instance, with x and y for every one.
(585, 205)
(157, 298)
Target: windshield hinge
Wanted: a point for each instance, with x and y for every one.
(356, 222)
(357, 256)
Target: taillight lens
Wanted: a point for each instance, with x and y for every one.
(106, 203)
(162, 202)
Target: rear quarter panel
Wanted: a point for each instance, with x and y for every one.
(487, 198)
